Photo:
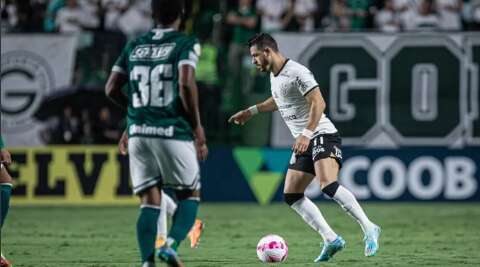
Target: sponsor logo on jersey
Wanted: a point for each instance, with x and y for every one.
(317, 150)
(151, 130)
(301, 84)
(338, 152)
(284, 89)
(152, 52)
(290, 117)
(286, 116)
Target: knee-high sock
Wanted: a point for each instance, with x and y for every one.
(349, 203)
(5, 192)
(146, 231)
(168, 207)
(313, 217)
(183, 220)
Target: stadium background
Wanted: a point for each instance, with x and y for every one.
(406, 102)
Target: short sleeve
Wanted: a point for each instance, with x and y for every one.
(190, 54)
(305, 81)
(120, 65)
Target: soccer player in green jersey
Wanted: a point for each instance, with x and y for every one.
(166, 137)
(5, 191)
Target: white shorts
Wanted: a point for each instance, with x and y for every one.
(172, 163)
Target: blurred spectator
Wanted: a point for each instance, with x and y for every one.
(21, 16)
(106, 129)
(113, 11)
(386, 19)
(136, 20)
(51, 13)
(339, 18)
(274, 14)
(209, 89)
(304, 13)
(91, 6)
(475, 14)
(67, 131)
(426, 19)
(358, 10)
(74, 18)
(243, 20)
(406, 9)
(87, 135)
(449, 12)
(9, 18)
(87, 131)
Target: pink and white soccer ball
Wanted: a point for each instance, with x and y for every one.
(272, 248)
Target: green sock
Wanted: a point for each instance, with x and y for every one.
(183, 220)
(146, 232)
(5, 192)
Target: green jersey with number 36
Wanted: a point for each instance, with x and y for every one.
(152, 62)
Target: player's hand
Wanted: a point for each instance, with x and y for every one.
(5, 157)
(123, 144)
(201, 143)
(240, 117)
(301, 144)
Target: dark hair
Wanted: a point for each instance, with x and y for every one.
(263, 40)
(166, 12)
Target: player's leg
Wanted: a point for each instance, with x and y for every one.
(168, 207)
(295, 184)
(195, 233)
(327, 170)
(178, 162)
(145, 175)
(327, 166)
(184, 217)
(5, 192)
(182, 222)
(147, 224)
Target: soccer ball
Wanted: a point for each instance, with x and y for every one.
(272, 248)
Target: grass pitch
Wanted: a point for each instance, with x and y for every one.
(437, 234)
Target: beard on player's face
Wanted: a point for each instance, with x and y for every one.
(264, 63)
(260, 59)
(264, 66)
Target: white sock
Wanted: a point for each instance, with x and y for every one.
(148, 264)
(171, 206)
(313, 217)
(167, 207)
(349, 203)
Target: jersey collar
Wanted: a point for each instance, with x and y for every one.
(163, 29)
(283, 66)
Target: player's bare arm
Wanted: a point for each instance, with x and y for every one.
(317, 106)
(243, 116)
(189, 96)
(123, 143)
(113, 89)
(5, 157)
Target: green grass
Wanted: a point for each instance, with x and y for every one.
(413, 235)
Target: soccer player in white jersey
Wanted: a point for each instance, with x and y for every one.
(316, 152)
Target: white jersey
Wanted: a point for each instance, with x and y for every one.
(289, 88)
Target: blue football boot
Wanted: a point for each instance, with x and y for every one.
(329, 249)
(169, 256)
(371, 241)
